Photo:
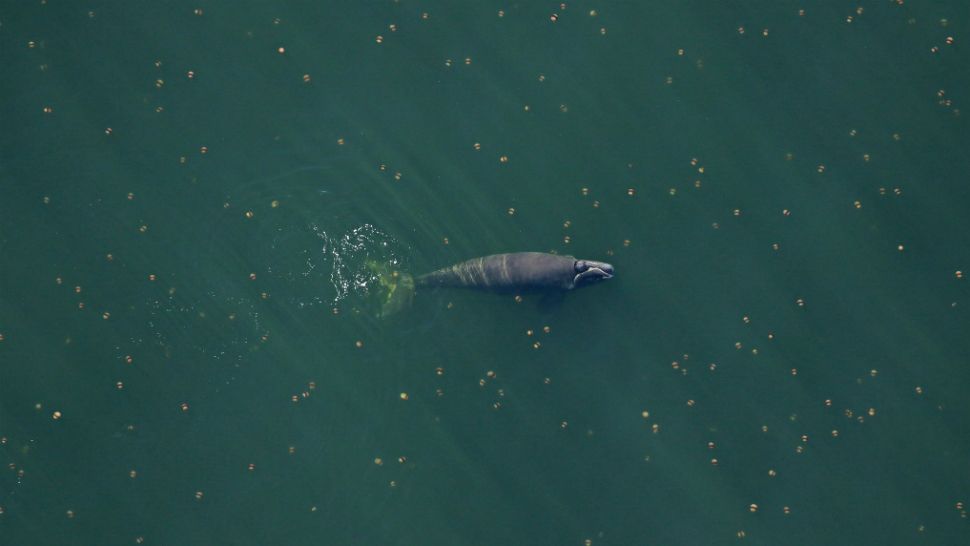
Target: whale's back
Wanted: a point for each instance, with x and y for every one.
(524, 271)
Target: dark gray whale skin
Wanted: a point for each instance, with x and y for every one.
(520, 271)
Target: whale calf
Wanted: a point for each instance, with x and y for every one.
(520, 271)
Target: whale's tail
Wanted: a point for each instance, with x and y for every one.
(395, 288)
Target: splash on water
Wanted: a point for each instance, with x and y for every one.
(348, 255)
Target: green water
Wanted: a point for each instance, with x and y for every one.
(176, 191)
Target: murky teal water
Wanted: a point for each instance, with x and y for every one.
(189, 351)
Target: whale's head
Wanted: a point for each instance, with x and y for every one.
(591, 272)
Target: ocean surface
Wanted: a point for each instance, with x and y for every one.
(194, 195)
